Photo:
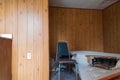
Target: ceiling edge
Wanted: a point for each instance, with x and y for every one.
(112, 4)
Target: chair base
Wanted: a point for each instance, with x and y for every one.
(59, 72)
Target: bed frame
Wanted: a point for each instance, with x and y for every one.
(115, 76)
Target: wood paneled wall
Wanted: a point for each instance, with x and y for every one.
(111, 28)
(27, 20)
(5, 59)
(81, 28)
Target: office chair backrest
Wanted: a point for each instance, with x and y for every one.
(62, 51)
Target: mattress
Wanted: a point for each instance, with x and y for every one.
(88, 72)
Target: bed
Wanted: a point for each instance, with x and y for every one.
(87, 72)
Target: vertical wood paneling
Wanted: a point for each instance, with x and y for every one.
(38, 40)
(8, 16)
(111, 29)
(5, 59)
(46, 41)
(2, 16)
(30, 41)
(22, 39)
(14, 31)
(81, 28)
(27, 20)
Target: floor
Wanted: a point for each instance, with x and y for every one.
(65, 75)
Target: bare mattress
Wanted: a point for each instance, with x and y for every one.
(87, 72)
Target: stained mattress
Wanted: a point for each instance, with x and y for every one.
(88, 72)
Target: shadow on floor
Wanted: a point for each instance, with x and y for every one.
(65, 75)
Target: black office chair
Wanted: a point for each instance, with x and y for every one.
(63, 56)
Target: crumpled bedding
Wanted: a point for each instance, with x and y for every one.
(88, 72)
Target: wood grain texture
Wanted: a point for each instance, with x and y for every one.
(5, 59)
(27, 20)
(81, 28)
(111, 28)
(2, 17)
